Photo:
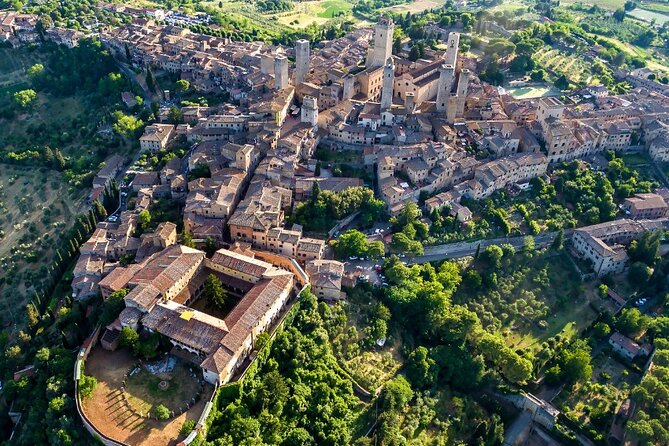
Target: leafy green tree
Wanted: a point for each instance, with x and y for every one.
(562, 83)
(351, 243)
(182, 86)
(397, 393)
(214, 291)
(575, 363)
(187, 239)
(113, 307)
(493, 255)
(25, 98)
(128, 338)
(639, 273)
(144, 219)
(420, 368)
(126, 125)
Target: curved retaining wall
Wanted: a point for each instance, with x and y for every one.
(81, 357)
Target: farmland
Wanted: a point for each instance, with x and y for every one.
(574, 67)
(318, 12)
(34, 212)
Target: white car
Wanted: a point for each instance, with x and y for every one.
(353, 258)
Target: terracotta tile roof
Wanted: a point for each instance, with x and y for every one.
(186, 326)
(242, 263)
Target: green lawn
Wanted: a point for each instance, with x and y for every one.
(331, 8)
(532, 92)
(144, 392)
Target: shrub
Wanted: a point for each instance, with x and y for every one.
(161, 412)
(87, 385)
(187, 428)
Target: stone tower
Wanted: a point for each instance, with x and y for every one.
(410, 102)
(309, 112)
(463, 84)
(387, 87)
(349, 87)
(446, 74)
(280, 72)
(302, 56)
(451, 56)
(383, 42)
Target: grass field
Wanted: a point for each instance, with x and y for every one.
(319, 12)
(532, 92)
(649, 16)
(414, 7)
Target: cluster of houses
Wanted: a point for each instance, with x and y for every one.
(19, 29)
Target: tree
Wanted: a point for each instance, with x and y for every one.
(126, 125)
(601, 330)
(631, 321)
(396, 393)
(32, 314)
(25, 98)
(113, 307)
(144, 218)
(493, 255)
(150, 80)
(574, 362)
(317, 171)
(182, 85)
(35, 71)
(630, 5)
(128, 338)
(639, 273)
(175, 115)
(420, 368)
(351, 243)
(562, 83)
(187, 239)
(376, 250)
(619, 14)
(214, 291)
(187, 428)
(603, 290)
(558, 242)
(210, 246)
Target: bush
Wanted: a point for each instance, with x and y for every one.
(87, 385)
(161, 412)
(187, 428)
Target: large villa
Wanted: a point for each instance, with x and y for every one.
(164, 288)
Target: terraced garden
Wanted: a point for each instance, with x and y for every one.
(574, 68)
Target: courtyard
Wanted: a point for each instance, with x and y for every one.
(127, 394)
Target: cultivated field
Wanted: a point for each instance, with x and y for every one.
(307, 13)
(415, 7)
(575, 68)
(35, 206)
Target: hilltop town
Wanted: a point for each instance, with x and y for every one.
(305, 234)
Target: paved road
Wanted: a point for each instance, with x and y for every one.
(463, 249)
(444, 252)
